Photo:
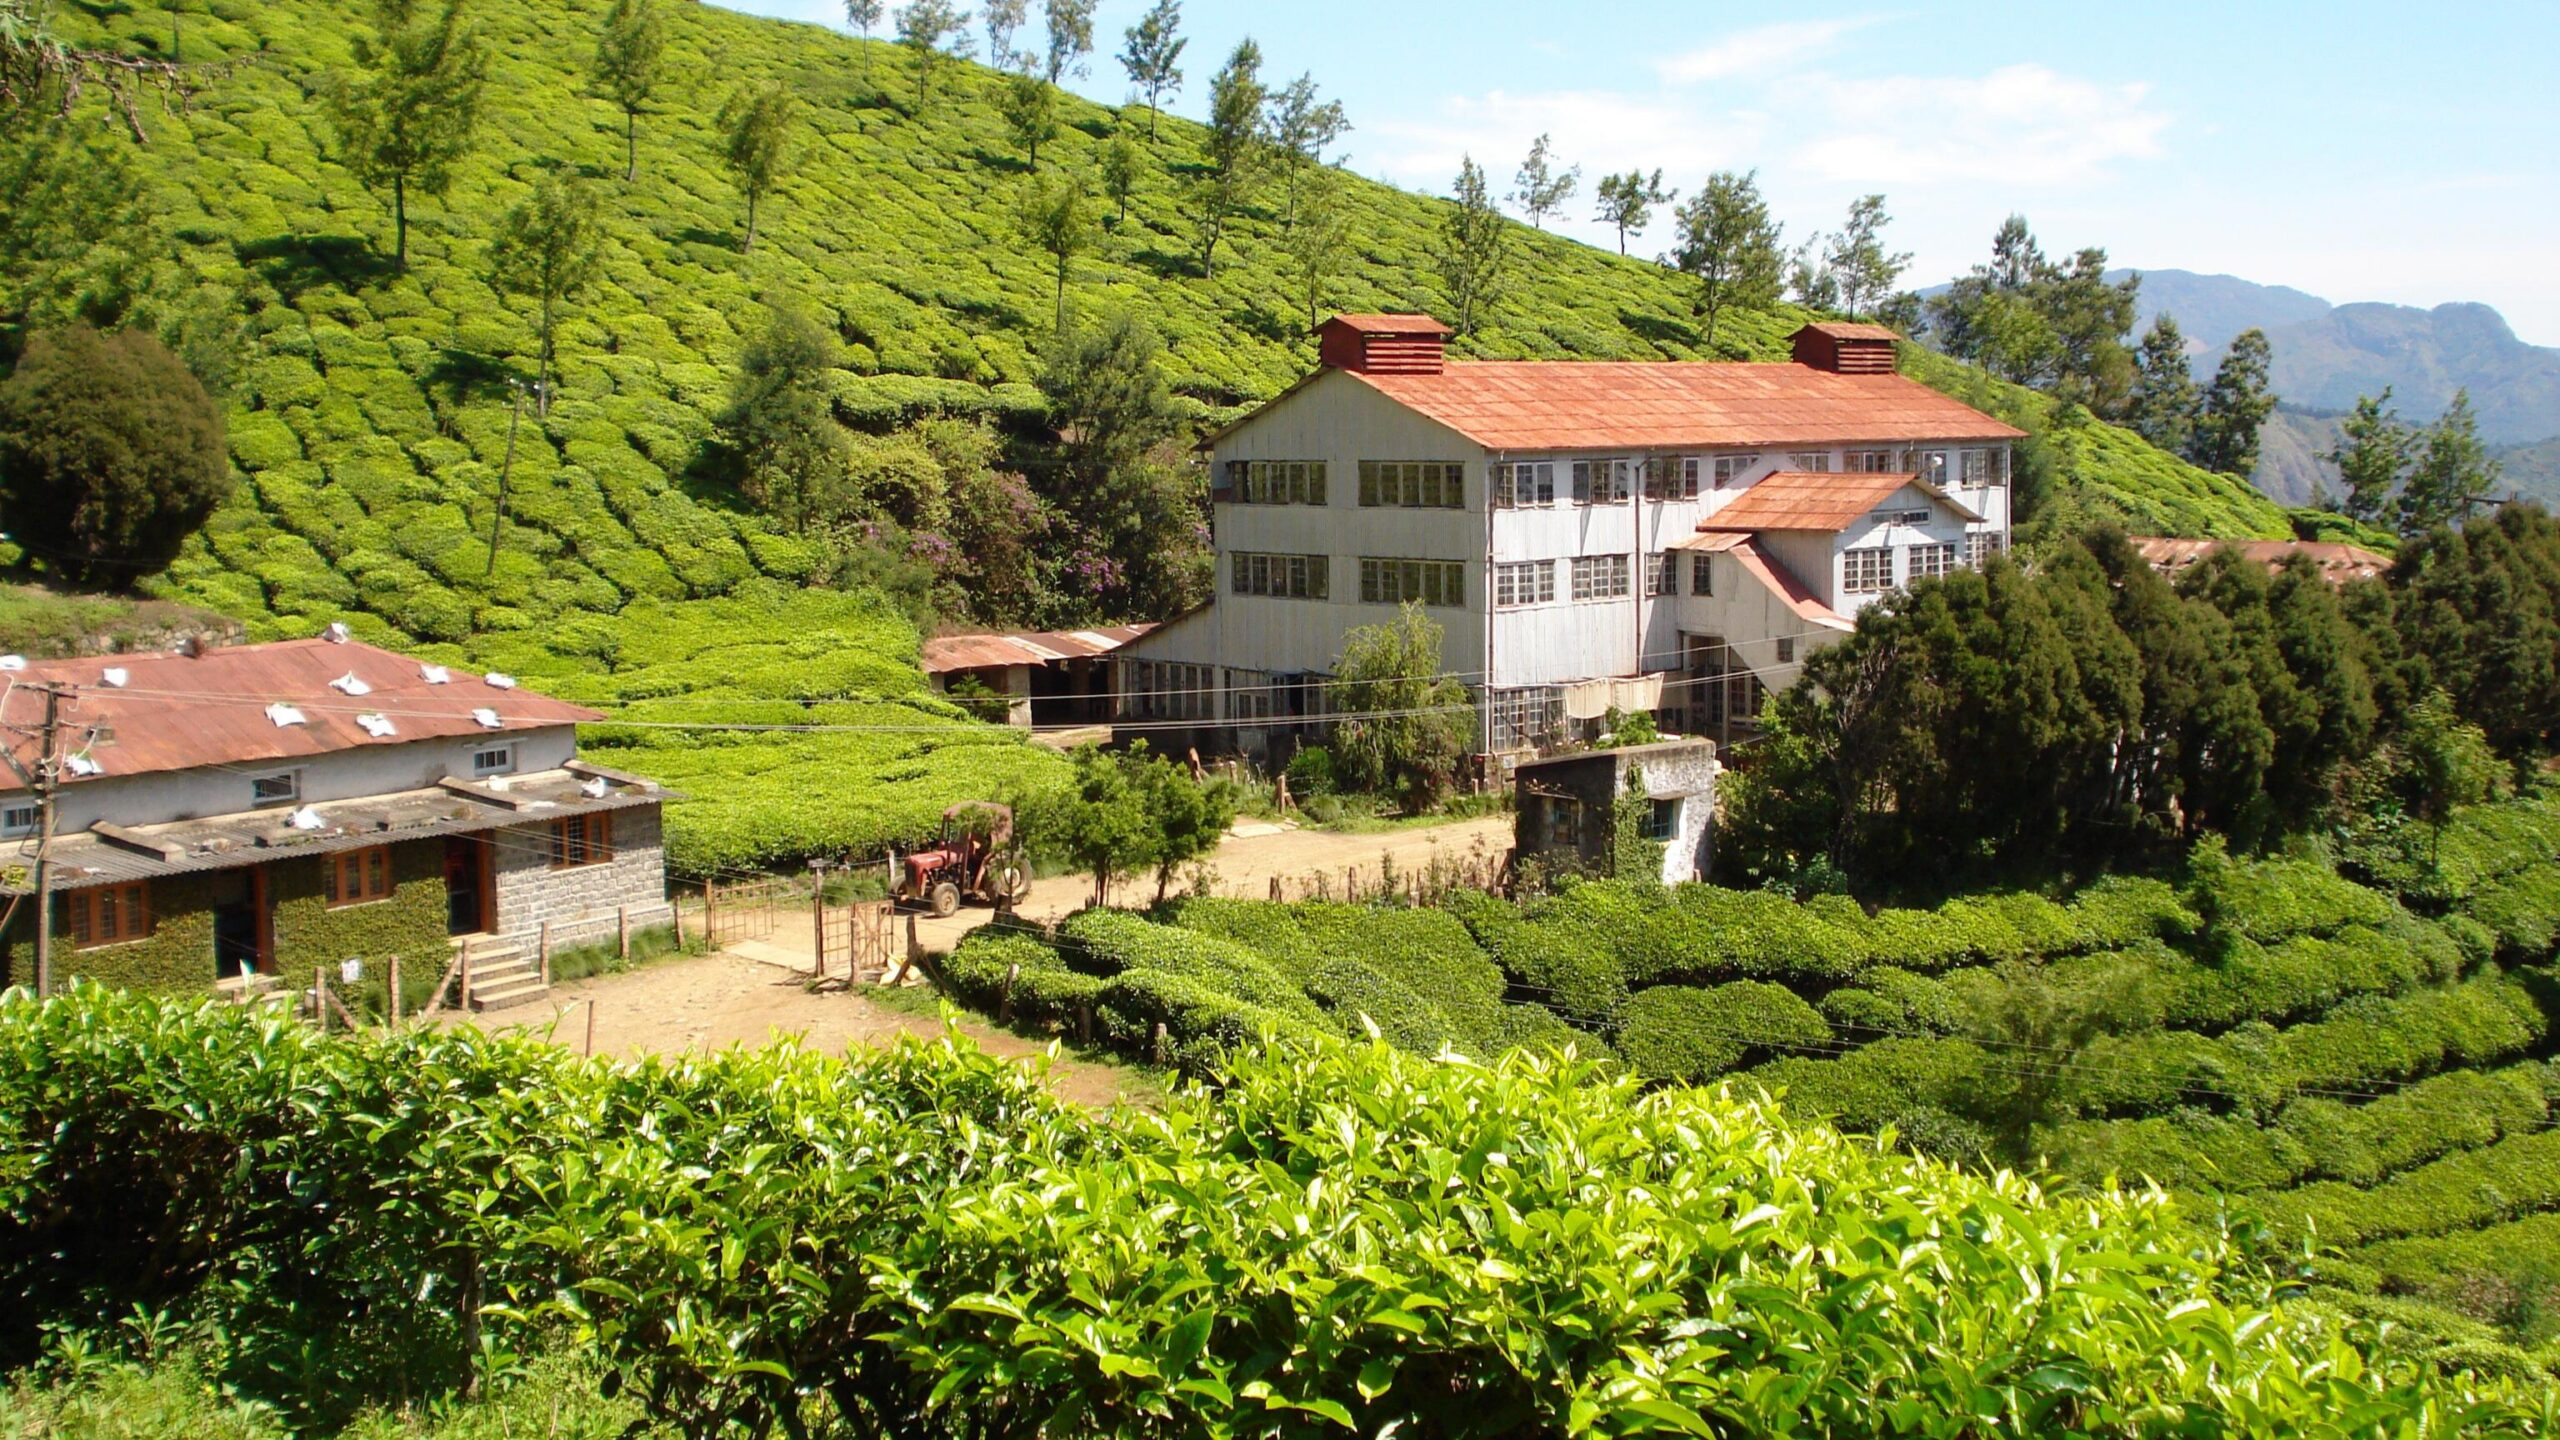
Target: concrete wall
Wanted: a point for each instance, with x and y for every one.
(580, 904)
(378, 769)
(1565, 805)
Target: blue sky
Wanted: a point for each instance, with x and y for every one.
(2358, 151)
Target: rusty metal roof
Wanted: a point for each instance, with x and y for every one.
(946, 653)
(1760, 565)
(1541, 405)
(222, 842)
(1711, 542)
(2338, 562)
(1804, 500)
(180, 712)
(1851, 330)
(1388, 324)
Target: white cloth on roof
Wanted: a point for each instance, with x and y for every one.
(350, 684)
(377, 726)
(337, 633)
(305, 818)
(284, 715)
(83, 765)
(488, 718)
(435, 674)
(498, 681)
(115, 675)
(13, 662)
(593, 788)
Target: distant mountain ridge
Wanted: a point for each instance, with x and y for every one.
(2327, 355)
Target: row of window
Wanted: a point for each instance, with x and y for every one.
(284, 787)
(1169, 690)
(1441, 484)
(1869, 571)
(1291, 577)
(1387, 580)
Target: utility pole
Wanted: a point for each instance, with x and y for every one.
(44, 779)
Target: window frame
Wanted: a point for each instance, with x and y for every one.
(1277, 576)
(1610, 577)
(1877, 557)
(1437, 584)
(1866, 462)
(1981, 545)
(1940, 561)
(1995, 474)
(1702, 574)
(1662, 574)
(1913, 518)
(1617, 471)
(1670, 477)
(581, 842)
(1510, 594)
(1413, 485)
(1278, 482)
(370, 869)
(506, 749)
(1786, 650)
(1504, 491)
(1810, 462)
(19, 830)
(1727, 470)
(1662, 819)
(81, 911)
(292, 795)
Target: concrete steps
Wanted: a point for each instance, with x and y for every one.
(257, 990)
(503, 975)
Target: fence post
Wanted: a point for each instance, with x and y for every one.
(818, 922)
(622, 928)
(395, 989)
(675, 917)
(542, 943)
(1275, 888)
(1004, 1008)
(466, 975)
(1084, 1022)
(710, 915)
(915, 943)
(1158, 1050)
(320, 996)
(591, 1024)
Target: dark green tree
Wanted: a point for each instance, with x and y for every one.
(864, 15)
(1540, 189)
(2090, 320)
(2164, 388)
(1070, 27)
(111, 454)
(1152, 54)
(1236, 152)
(1857, 260)
(2450, 471)
(1053, 216)
(1106, 391)
(1627, 201)
(1302, 128)
(1123, 169)
(1729, 242)
(1100, 819)
(629, 52)
(1472, 246)
(780, 421)
(1990, 316)
(2372, 456)
(1404, 724)
(2477, 607)
(548, 249)
(755, 143)
(1120, 478)
(409, 112)
(2235, 408)
(932, 31)
(1315, 246)
(1029, 105)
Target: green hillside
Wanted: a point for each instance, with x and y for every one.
(370, 413)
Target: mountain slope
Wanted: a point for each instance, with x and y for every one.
(370, 416)
(2213, 308)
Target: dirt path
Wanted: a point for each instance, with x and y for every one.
(710, 1002)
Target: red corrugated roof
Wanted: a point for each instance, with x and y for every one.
(1602, 405)
(1390, 324)
(1804, 500)
(946, 653)
(176, 712)
(1851, 330)
(1760, 565)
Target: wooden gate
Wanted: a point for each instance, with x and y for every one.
(746, 909)
(860, 936)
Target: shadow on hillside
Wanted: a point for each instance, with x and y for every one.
(989, 159)
(1165, 266)
(994, 314)
(728, 240)
(1279, 329)
(297, 263)
(1099, 129)
(460, 377)
(1660, 329)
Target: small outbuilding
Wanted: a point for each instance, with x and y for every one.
(1040, 677)
(1567, 805)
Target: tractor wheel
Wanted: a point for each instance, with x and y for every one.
(945, 899)
(1009, 882)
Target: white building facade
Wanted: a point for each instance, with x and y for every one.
(1666, 537)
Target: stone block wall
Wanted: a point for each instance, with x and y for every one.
(581, 903)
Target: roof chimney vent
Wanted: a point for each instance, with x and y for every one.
(1383, 344)
(1846, 349)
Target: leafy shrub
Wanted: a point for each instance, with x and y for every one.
(1685, 1035)
(990, 969)
(1310, 772)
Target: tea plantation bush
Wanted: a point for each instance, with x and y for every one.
(915, 1241)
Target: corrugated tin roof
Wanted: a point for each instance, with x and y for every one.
(2338, 562)
(1712, 542)
(1534, 405)
(179, 712)
(946, 653)
(1760, 565)
(224, 842)
(1851, 330)
(1829, 503)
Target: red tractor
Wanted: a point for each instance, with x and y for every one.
(976, 858)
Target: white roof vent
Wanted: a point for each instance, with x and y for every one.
(284, 715)
(305, 818)
(500, 682)
(377, 726)
(435, 675)
(488, 718)
(115, 675)
(337, 633)
(349, 684)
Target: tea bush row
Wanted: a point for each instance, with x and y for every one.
(916, 1241)
(2466, 1191)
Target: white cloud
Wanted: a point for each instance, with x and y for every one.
(1758, 49)
(1600, 130)
(2019, 125)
